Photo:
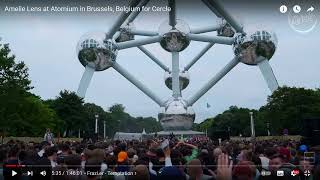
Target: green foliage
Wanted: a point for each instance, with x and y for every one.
(69, 108)
(76, 115)
(286, 109)
(236, 120)
(127, 123)
(91, 111)
(28, 117)
(117, 109)
(13, 76)
(150, 124)
(21, 113)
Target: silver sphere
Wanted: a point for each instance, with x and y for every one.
(176, 116)
(254, 45)
(174, 39)
(96, 52)
(226, 30)
(125, 33)
(183, 77)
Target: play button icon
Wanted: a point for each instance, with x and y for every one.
(13, 173)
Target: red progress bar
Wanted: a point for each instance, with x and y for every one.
(11, 165)
(14, 166)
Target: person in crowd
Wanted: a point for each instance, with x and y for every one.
(51, 154)
(140, 172)
(192, 158)
(244, 170)
(63, 151)
(92, 169)
(217, 152)
(12, 160)
(73, 165)
(307, 166)
(3, 156)
(189, 151)
(48, 136)
(195, 171)
(275, 163)
(43, 164)
(43, 146)
(122, 162)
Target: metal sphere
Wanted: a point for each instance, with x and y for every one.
(174, 39)
(184, 80)
(176, 116)
(96, 52)
(125, 33)
(226, 30)
(253, 45)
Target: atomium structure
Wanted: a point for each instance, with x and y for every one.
(98, 52)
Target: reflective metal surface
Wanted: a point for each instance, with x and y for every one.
(176, 116)
(125, 33)
(184, 80)
(226, 30)
(96, 52)
(259, 43)
(174, 39)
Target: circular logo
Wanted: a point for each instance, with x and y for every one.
(302, 19)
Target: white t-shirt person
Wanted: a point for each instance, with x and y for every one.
(48, 136)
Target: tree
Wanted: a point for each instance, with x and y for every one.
(234, 121)
(92, 110)
(288, 107)
(29, 117)
(117, 108)
(120, 117)
(150, 124)
(69, 108)
(21, 113)
(13, 76)
(124, 122)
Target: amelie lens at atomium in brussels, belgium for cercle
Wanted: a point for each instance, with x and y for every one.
(85, 8)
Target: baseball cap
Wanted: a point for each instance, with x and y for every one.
(303, 148)
(122, 156)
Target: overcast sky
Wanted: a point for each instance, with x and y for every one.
(47, 44)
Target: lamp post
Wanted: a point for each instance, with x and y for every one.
(104, 129)
(96, 126)
(253, 133)
(268, 128)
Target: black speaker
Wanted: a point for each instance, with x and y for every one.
(311, 131)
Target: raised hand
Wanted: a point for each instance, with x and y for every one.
(224, 169)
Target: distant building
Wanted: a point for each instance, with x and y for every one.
(139, 136)
(187, 133)
(127, 136)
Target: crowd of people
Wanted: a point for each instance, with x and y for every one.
(188, 159)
